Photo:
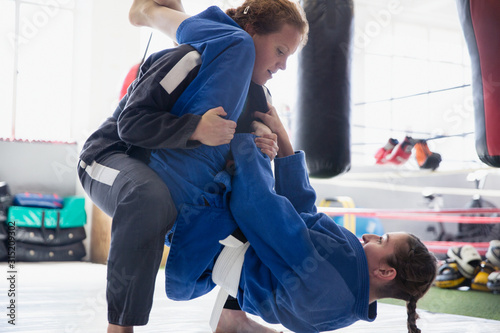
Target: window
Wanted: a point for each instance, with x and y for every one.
(412, 77)
(36, 80)
(7, 28)
(410, 73)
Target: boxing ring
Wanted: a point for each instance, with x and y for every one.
(69, 297)
(426, 215)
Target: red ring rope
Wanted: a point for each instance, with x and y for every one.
(442, 247)
(421, 215)
(428, 215)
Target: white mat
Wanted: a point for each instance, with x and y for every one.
(70, 298)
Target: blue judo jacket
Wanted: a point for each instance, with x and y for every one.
(301, 270)
(226, 55)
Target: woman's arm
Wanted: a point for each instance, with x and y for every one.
(226, 62)
(263, 216)
(145, 119)
(292, 180)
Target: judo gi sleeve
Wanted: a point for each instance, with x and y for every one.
(263, 216)
(146, 120)
(292, 181)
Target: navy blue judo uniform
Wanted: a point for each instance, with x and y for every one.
(113, 172)
(112, 169)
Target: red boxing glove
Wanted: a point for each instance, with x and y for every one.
(381, 154)
(131, 76)
(402, 152)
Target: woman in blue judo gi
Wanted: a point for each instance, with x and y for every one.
(112, 168)
(296, 267)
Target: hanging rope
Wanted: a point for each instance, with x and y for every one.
(437, 137)
(147, 48)
(413, 95)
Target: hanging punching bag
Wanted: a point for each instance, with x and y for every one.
(481, 25)
(323, 105)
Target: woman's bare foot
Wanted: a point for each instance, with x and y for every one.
(140, 12)
(236, 321)
(165, 18)
(120, 329)
(173, 4)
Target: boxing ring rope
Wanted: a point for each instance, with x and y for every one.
(428, 92)
(426, 215)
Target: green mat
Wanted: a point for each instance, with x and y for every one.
(466, 303)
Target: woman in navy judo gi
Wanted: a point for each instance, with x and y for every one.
(299, 269)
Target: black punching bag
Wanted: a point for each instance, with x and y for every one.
(480, 21)
(324, 88)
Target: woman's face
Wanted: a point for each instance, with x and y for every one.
(377, 248)
(272, 51)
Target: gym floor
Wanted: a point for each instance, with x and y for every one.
(70, 297)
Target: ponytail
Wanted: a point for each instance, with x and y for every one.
(411, 309)
(416, 269)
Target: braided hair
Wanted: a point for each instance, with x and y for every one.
(416, 270)
(268, 17)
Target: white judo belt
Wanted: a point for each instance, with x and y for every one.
(226, 274)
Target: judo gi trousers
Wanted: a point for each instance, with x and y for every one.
(143, 211)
